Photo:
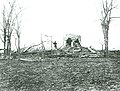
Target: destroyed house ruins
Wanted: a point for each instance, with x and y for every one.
(73, 46)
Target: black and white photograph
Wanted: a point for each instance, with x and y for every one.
(59, 45)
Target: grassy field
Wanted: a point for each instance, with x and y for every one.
(61, 74)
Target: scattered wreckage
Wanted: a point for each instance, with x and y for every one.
(72, 48)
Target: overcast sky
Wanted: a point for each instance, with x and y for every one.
(57, 18)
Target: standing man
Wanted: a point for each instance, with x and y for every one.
(55, 44)
(76, 43)
(68, 42)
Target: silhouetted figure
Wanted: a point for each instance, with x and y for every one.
(55, 44)
(76, 43)
(68, 42)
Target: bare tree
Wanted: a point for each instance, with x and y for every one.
(4, 30)
(107, 8)
(10, 16)
(18, 37)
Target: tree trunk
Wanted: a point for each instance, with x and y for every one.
(4, 42)
(18, 47)
(105, 28)
(9, 46)
(106, 43)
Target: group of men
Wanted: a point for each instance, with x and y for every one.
(76, 42)
(69, 43)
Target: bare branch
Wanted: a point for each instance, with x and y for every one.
(12, 4)
(1, 39)
(103, 6)
(2, 30)
(115, 17)
(16, 15)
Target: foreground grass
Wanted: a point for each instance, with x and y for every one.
(64, 74)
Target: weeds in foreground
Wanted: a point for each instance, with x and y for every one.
(57, 75)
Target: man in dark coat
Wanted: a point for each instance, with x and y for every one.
(68, 42)
(55, 44)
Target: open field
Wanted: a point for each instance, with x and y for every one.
(61, 74)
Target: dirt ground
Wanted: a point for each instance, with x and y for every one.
(61, 74)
